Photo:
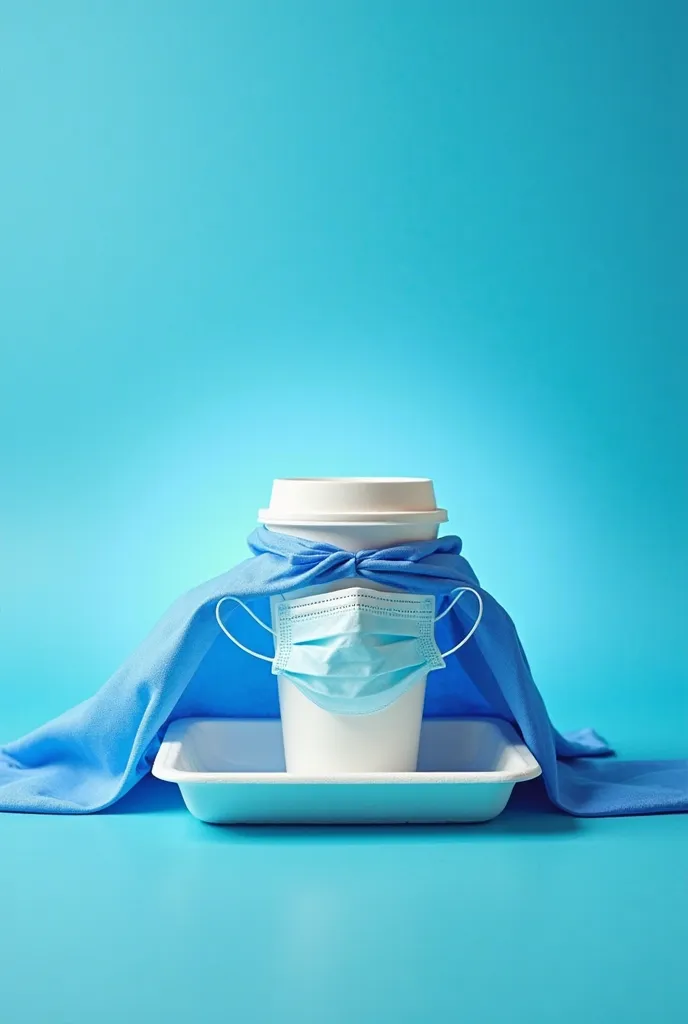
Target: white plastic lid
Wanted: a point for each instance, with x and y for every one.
(299, 501)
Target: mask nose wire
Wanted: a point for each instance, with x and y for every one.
(255, 654)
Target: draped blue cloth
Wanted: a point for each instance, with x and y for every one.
(90, 756)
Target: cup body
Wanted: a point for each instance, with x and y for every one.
(353, 514)
(319, 743)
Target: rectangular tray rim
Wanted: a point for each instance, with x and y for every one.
(162, 767)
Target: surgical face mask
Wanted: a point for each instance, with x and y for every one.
(354, 651)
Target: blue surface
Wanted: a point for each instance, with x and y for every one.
(482, 204)
(135, 916)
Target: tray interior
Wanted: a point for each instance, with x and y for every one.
(255, 746)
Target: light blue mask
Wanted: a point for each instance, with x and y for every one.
(354, 651)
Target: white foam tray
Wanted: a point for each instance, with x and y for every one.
(232, 771)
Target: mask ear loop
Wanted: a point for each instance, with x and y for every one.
(263, 657)
(461, 592)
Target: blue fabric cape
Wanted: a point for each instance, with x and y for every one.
(92, 755)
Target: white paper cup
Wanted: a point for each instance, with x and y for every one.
(354, 514)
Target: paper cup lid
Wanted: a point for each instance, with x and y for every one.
(302, 500)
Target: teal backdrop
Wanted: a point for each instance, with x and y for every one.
(241, 240)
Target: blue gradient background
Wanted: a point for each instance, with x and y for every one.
(243, 240)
